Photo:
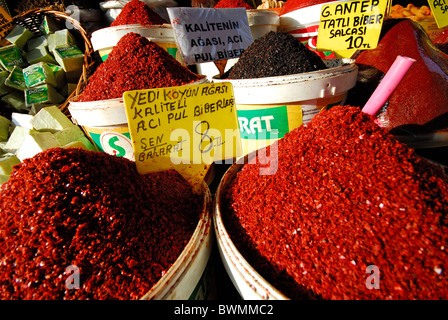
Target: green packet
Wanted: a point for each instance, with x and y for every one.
(37, 74)
(42, 94)
(15, 79)
(68, 52)
(11, 56)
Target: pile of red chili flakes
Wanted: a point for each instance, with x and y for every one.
(135, 63)
(347, 199)
(137, 12)
(93, 211)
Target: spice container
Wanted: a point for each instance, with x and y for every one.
(248, 282)
(99, 216)
(343, 209)
(287, 101)
(105, 122)
(261, 21)
(135, 63)
(104, 40)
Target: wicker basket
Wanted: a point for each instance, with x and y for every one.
(32, 20)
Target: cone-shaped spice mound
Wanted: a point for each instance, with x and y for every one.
(137, 12)
(275, 54)
(232, 4)
(135, 63)
(350, 213)
(420, 101)
(71, 209)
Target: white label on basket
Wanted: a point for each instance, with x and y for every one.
(207, 34)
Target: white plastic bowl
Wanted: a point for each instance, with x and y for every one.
(248, 282)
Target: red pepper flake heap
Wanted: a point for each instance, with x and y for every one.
(135, 63)
(233, 4)
(71, 207)
(346, 196)
(137, 12)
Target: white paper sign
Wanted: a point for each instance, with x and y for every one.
(207, 34)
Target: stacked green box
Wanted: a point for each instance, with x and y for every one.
(4, 128)
(37, 74)
(16, 79)
(31, 77)
(11, 56)
(37, 42)
(19, 36)
(42, 94)
(16, 100)
(4, 89)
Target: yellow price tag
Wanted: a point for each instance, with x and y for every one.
(185, 128)
(345, 27)
(5, 22)
(439, 9)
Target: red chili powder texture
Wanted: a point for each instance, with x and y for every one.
(409, 110)
(233, 4)
(71, 207)
(137, 12)
(346, 196)
(135, 63)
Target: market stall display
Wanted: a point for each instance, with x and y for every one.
(326, 202)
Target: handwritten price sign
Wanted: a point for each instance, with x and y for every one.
(439, 9)
(5, 25)
(349, 26)
(207, 34)
(185, 128)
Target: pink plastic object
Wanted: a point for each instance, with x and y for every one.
(388, 84)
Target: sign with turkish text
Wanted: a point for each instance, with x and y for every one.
(346, 27)
(5, 22)
(439, 9)
(185, 128)
(207, 34)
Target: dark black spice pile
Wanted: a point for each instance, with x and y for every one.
(275, 54)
